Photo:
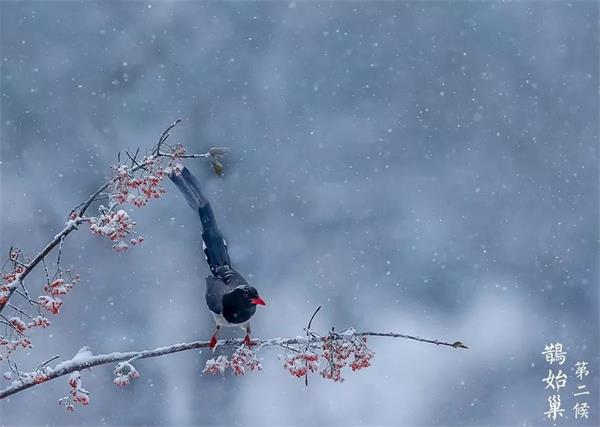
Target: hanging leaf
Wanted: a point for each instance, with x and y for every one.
(217, 167)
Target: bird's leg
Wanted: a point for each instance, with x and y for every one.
(213, 340)
(247, 340)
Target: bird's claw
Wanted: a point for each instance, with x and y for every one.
(247, 341)
(213, 342)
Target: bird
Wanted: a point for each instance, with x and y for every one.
(229, 297)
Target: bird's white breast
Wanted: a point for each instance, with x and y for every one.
(221, 321)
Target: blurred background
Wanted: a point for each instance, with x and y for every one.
(429, 168)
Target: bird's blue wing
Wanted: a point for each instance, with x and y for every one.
(215, 289)
(226, 280)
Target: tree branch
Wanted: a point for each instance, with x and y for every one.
(79, 363)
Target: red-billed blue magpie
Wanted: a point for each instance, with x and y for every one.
(229, 297)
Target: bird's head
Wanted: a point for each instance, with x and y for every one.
(247, 295)
(240, 304)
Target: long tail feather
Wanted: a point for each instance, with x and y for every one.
(214, 246)
(192, 193)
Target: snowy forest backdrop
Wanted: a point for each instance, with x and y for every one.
(427, 168)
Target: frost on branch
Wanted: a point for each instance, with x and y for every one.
(37, 377)
(124, 372)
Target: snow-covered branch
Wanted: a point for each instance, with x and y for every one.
(299, 346)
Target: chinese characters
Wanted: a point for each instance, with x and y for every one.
(556, 379)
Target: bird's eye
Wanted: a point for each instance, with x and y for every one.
(245, 294)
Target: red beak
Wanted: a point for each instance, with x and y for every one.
(257, 301)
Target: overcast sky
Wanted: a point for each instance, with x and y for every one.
(428, 168)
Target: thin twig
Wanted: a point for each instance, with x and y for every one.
(312, 317)
(187, 156)
(60, 248)
(24, 290)
(133, 159)
(165, 135)
(28, 298)
(13, 367)
(456, 344)
(46, 270)
(41, 365)
(19, 310)
(308, 334)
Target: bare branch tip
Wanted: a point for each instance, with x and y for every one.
(459, 344)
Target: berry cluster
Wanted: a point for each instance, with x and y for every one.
(18, 324)
(135, 185)
(302, 363)
(217, 366)
(113, 225)
(17, 337)
(125, 372)
(12, 345)
(9, 279)
(58, 287)
(244, 360)
(4, 293)
(76, 395)
(39, 322)
(139, 190)
(141, 183)
(241, 361)
(55, 288)
(49, 303)
(337, 351)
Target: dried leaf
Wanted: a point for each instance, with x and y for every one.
(217, 167)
